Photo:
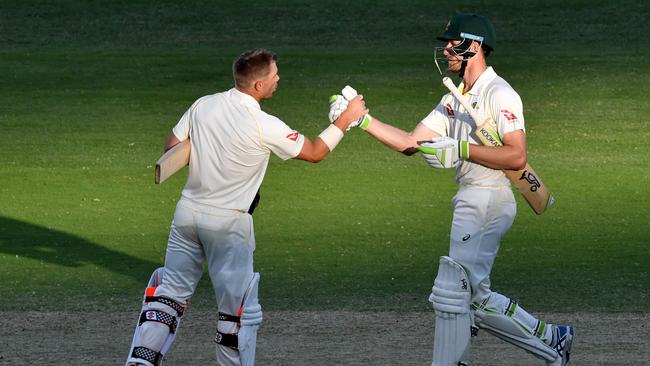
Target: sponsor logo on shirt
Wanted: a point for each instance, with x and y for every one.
(293, 136)
(508, 115)
(450, 111)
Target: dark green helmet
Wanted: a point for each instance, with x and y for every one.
(470, 26)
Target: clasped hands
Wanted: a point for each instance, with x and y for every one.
(442, 152)
(348, 100)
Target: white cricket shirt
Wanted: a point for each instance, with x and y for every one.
(231, 139)
(492, 97)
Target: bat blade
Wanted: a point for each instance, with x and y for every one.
(527, 181)
(172, 161)
(530, 185)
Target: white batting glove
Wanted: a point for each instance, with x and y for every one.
(430, 155)
(444, 152)
(338, 104)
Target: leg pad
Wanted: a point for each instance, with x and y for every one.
(450, 297)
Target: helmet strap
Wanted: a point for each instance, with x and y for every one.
(463, 65)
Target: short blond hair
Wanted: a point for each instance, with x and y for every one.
(252, 65)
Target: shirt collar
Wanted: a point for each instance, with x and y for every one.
(244, 98)
(486, 77)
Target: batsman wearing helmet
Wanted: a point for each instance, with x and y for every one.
(484, 207)
(231, 142)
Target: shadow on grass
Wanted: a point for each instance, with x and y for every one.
(60, 248)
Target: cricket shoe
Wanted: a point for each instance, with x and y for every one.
(562, 340)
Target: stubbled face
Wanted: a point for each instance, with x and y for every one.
(269, 84)
(453, 59)
(456, 50)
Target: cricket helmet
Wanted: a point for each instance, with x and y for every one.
(469, 26)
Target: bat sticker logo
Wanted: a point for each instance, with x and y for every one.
(532, 179)
(293, 136)
(489, 137)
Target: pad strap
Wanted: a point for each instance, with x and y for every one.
(160, 317)
(227, 339)
(146, 354)
(228, 318)
(167, 301)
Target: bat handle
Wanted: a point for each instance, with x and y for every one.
(349, 93)
(449, 83)
(463, 101)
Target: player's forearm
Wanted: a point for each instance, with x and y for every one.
(502, 157)
(314, 151)
(392, 137)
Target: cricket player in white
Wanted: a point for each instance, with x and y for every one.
(484, 207)
(231, 142)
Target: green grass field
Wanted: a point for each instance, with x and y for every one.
(90, 90)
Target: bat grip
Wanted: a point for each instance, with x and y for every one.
(349, 93)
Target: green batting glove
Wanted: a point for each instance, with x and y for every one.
(444, 152)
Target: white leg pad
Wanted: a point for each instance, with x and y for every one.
(244, 341)
(156, 327)
(450, 297)
(507, 329)
(251, 319)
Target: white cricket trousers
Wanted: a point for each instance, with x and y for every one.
(223, 238)
(482, 215)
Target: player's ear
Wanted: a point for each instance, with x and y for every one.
(475, 47)
(258, 85)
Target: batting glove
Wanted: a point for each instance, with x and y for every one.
(338, 104)
(444, 152)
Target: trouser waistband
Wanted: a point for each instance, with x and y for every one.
(201, 207)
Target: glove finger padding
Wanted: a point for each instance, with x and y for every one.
(441, 154)
(338, 105)
(429, 154)
(459, 147)
(433, 161)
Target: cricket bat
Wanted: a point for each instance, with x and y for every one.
(172, 161)
(527, 181)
